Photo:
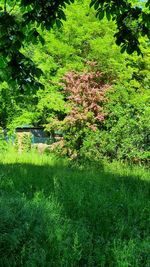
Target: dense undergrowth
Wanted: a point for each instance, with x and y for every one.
(56, 213)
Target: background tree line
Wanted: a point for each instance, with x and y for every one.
(83, 46)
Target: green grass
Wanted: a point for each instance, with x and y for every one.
(54, 213)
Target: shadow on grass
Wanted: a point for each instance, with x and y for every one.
(79, 190)
(29, 178)
(106, 211)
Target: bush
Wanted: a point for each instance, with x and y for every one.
(3, 143)
(85, 96)
(124, 134)
(23, 142)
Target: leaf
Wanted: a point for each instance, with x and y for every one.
(123, 48)
(42, 26)
(67, 1)
(92, 3)
(108, 14)
(130, 49)
(38, 72)
(61, 15)
(101, 14)
(3, 62)
(148, 3)
(41, 40)
(59, 23)
(96, 5)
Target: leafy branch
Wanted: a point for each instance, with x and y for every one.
(5, 9)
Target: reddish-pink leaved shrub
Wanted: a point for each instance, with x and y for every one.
(85, 94)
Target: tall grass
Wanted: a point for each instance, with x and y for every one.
(54, 213)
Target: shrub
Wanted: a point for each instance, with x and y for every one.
(3, 143)
(124, 134)
(85, 95)
(23, 142)
(126, 130)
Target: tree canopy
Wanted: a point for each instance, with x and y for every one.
(21, 22)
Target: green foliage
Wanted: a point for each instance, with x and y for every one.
(127, 126)
(3, 144)
(72, 47)
(68, 49)
(22, 21)
(26, 118)
(16, 108)
(132, 21)
(125, 131)
(19, 24)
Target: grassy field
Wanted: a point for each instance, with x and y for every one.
(54, 213)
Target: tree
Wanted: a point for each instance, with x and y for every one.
(21, 22)
(85, 96)
(19, 25)
(132, 20)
